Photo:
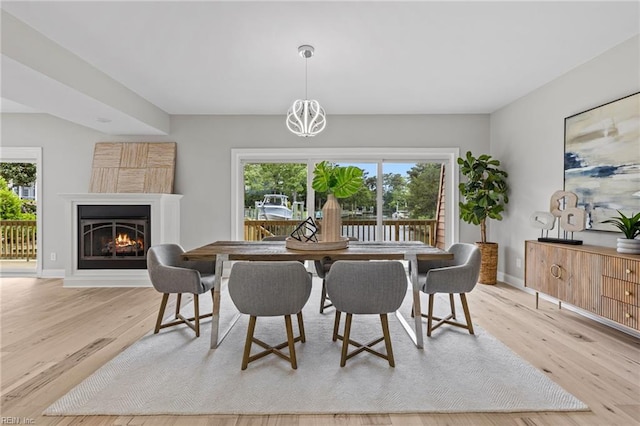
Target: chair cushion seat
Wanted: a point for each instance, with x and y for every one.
(359, 287)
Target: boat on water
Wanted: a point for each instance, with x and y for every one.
(275, 207)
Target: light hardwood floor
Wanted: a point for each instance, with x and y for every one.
(53, 338)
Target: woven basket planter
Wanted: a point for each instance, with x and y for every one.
(489, 265)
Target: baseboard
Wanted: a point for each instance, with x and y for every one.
(53, 273)
(107, 278)
(511, 280)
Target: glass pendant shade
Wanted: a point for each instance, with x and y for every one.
(306, 118)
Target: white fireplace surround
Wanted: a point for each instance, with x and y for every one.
(165, 228)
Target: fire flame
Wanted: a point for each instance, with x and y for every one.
(123, 240)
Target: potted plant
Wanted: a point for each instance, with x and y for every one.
(337, 182)
(485, 195)
(630, 227)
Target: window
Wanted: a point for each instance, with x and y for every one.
(386, 171)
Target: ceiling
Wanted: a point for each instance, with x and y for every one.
(416, 57)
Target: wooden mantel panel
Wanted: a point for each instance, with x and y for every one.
(134, 155)
(107, 155)
(133, 167)
(130, 180)
(158, 180)
(161, 155)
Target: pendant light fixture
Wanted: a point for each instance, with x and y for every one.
(306, 117)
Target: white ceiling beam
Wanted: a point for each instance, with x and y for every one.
(84, 94)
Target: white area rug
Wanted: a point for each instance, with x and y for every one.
(175, 373)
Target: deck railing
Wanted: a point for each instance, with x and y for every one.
(18, 239)
(365, 230)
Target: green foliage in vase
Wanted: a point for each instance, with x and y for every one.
(341, 181)
(484, 192)
(628, 225)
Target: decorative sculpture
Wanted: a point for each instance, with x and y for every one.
(306, 231)
(564, 206)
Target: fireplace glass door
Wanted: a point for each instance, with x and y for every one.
(113, 237)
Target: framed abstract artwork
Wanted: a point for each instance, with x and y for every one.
(602, 160)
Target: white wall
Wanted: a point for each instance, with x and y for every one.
(527, 136)
(203, 166)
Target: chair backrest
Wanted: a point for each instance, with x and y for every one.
(170, 255)
(323, 266)
(163, 254)
(170, 274)
(269, 288)
(462, 274)
(464, 254)
(361, 287)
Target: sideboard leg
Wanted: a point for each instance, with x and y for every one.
(559, 304)
(537, 295)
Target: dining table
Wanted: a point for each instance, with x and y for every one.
(225, 251)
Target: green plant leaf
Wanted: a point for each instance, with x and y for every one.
(342, 182)
(484, 192)
(628, 225)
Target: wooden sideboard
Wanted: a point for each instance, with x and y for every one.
(596, 279)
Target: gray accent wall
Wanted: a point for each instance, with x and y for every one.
(528, 137)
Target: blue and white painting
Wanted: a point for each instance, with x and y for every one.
(602, 160)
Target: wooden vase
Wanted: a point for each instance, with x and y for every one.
(489, 263)
(331, 220)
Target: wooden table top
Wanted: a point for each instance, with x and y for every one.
(357, 250)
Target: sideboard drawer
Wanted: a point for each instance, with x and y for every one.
(623, 291)
(622, 313)
(623, 269)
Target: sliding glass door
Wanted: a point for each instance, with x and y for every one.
(399, 200)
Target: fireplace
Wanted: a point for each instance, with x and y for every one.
(96, 262)
(113, 236)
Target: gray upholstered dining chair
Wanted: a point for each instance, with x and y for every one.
(267, 289)
(170, 274)
(458, 275)
(361, 287)
(322, 269)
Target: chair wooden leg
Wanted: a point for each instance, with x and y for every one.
(430, 315)
(345, 340)
(323, 296)
(303, 337)
(292, 348)
(467, 315)
(387, 339)
(453, 306)
(178, 303)
(196, 312)
(248, 342)
(336, 325)
(163, 306)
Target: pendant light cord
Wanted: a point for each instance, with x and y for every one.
(306, 96)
